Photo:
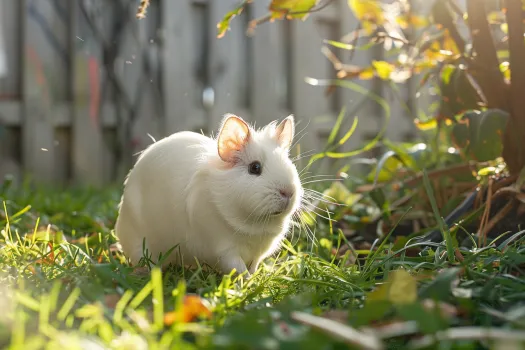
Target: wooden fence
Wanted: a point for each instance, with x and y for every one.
(86, 82)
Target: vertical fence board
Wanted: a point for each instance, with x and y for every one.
(267, 56)
(179, 93)
(38, 138)
(87, 142)
(10, 13)
(147, 98)
(225, 56)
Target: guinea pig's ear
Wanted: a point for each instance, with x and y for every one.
(285, 132)
(233, 136)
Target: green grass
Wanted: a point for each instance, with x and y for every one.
(60, 286)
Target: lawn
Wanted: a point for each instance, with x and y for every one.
(64, 284)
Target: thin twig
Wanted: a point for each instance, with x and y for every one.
(414, 180)
(486, 213)
(500, 215)
(141, 12)
(489, 76)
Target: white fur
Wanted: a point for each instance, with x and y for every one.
(180, 192)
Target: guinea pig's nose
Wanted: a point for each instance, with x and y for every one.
(286, 193)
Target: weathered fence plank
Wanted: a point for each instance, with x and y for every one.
(225, 58)
(37, 132)
(87, 141)
(269, 75)
(181, 96)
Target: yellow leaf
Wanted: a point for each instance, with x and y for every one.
(412, 20)
(430, 124)
(339, 193)
(367, 11)
(426, 125)
(400, 288)
(367, 74)
(432, 53)
(420, 66)
(449, 44)
(291, 8)
(505, 69)
(192, 307)
(383, 69)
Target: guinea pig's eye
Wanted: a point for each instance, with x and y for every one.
(255, 168)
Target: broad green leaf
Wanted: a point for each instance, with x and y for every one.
(291, 8)
(372, 311)
(224, 24)
(489, 135)
(441, 286)
(479, 134)
(387, 166)
(457, 91)
(428, 321)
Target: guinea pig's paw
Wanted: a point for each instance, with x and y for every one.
(228, 264)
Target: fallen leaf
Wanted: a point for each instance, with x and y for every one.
(445, 309)
(400, 288)
(193, 307)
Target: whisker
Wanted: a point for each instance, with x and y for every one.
(320, 180)
(314, 176)
(321, 197)
(302, 155)
(309, 232)
(298, 133)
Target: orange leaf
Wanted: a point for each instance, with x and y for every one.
(193, 306)
(449, 44)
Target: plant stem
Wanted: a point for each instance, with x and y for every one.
(487, 73)
(514, 147)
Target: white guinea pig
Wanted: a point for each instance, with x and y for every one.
(227, 202)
